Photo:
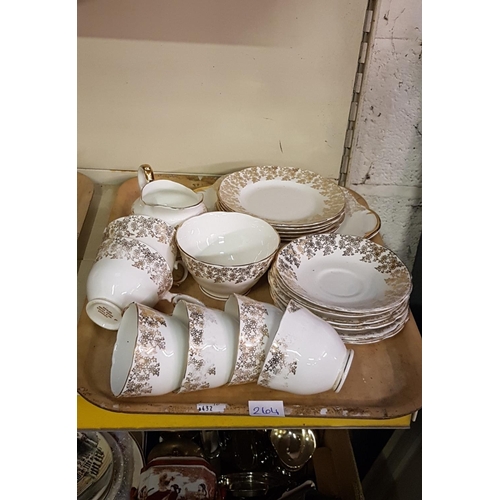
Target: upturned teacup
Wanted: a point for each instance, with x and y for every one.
(306, 356)
(127, 270)
(258, 323)
(150, 352)
(213, 341)
(150, 230)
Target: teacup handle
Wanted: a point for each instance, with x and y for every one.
(185, 272)
(145, 175)
(175, 297)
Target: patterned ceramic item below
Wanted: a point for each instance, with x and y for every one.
(305, 364)
(94, 465)
(343, 273)
(226, 252)
(125, 463)
(359, 220)
(281, 194)
(213, 342)
(178, 478)
(154, 232)
(166, 200)
(258, 323)
(149, 356)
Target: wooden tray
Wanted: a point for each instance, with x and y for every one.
(385, 380)
(85, 188)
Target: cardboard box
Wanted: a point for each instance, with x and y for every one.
(335, 466)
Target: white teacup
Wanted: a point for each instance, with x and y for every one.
(150, 230)
(127, 270)
(306, 356)
(166, 200)
(213, 341)
(226, 252)
(149, 357)
(258, 323)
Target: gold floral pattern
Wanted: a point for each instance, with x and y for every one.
(149, 344)
(352, 206)
(278, 363)
(140, 256)
(226, 274)
(254, 334)
(291, 256)
(140, 226)
(362, 332)
(232, 185)
(197, 368)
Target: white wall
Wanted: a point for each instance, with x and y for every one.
(211, 86)
(386, 160)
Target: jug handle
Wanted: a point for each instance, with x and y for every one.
(145, 175)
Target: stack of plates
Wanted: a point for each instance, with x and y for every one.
(108, 465)
(294, 201)
(94, 466)
(362, 289)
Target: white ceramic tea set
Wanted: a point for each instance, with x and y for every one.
(340, 288)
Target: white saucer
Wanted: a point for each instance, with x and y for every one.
(343, 272)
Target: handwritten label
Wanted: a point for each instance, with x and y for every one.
(266, 408)
(210, 407)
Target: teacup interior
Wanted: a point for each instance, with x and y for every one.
(227, 239)
(123, 352)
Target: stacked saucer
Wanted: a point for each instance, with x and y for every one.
(359, 287)
(294, 201)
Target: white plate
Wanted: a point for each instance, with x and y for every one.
(343, 272)
(359, 220)
(282, 194)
